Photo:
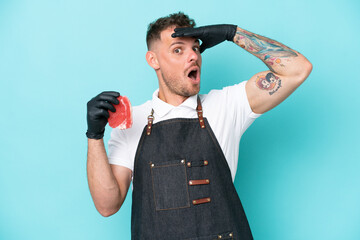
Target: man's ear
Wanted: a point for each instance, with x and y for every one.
(151, 59)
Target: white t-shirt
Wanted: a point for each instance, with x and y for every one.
(227, 111)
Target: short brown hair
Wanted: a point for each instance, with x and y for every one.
(176, 19)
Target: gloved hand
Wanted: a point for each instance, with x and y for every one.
(209, 35)
(97, 113)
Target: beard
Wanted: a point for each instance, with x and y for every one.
(180, 85)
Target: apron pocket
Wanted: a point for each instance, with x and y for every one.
(170, 185)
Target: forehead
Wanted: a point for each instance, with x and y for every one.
(167, 40)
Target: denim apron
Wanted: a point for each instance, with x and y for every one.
(182, 185)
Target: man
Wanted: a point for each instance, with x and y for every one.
(181, 152)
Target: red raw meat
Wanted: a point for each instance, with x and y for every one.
(122, 117)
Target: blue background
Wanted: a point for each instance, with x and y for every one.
(298, 173)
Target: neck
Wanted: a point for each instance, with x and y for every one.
(171, 98)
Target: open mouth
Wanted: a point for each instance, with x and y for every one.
(194, 75)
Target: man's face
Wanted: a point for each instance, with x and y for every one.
(180, 63)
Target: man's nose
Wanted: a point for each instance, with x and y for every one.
(193, 56)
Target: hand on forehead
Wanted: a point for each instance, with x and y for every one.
(169, 34)
(166, 39)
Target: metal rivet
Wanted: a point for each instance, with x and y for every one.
(194, 202)
(219, 236)
(149, 127)
(152, 165)
(148, 133)
(230, 235)
(190, 182)
(201, 120)
(207, 180)
(189, 164)
(182, 161)
(206, 162)
(208, 199)
(202, 126)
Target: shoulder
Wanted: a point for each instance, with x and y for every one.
(228, 105)
(230, 94)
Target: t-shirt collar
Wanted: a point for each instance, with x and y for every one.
(161, 108)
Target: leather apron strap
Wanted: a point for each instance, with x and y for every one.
(198, 110)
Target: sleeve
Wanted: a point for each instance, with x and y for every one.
(118, 149)
(231, 109)
(239, 103)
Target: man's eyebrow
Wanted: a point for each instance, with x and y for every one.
(179, 42)
(176, 43)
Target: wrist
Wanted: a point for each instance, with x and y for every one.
(233, 39)
(231, 33)
(95, 135)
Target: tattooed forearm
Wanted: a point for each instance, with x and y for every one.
(272, 53)
(270, 82)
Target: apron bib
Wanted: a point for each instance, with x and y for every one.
(182, 185)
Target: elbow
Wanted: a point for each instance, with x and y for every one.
(308, 68)
(305, 72)
(109, 205)
(108, 212)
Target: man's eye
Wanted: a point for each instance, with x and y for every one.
(177, 50)
(196, 49)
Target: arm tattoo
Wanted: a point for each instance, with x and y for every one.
(270, 82)
(270, 51)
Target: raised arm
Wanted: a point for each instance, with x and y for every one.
(265, 90)
(288, 69)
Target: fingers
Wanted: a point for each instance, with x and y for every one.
(187, 32)
(109, 96)
(106, 106)
(203, 47)
(111, 93)
(102, 103)
(99, 112)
